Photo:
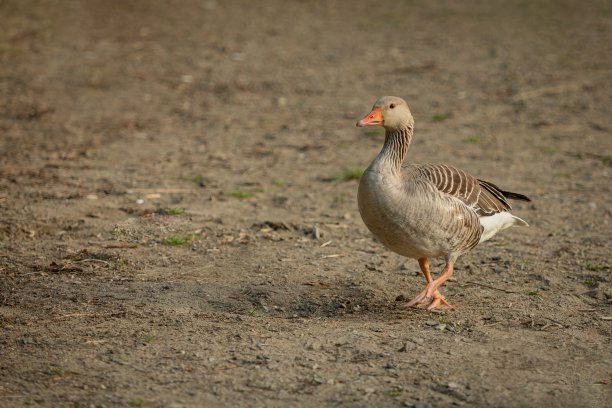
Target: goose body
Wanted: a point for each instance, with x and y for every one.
(424, 211)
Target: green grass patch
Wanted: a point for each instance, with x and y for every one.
(351, 399)
(54, 371)
(175, 211)
(149, 339)
(266, 152)
(605, 160)
(136, 402)
(178, 240)
(278, 183)
(472, 139)
(394, 393)
(121, 263)
(195, 179)
(590, 282)
(439, 117)
(594, 267)
(118, 233)
(241, 195)
(354, 173)
(444, 320)
(534, 292)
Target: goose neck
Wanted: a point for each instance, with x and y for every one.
(395, 149)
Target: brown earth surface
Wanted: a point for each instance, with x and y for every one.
(179, 224)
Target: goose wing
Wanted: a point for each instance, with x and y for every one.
(483, 197)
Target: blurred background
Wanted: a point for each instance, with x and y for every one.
(179, 180)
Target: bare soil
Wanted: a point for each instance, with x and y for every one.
(179, 224)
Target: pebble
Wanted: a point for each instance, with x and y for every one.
(452, 385)
(281, 101)
(431, 323)
(405, 347)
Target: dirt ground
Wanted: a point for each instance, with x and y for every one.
(179, 225)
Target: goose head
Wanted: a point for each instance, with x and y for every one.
(389, 111)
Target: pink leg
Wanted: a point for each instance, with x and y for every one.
(424, 264)
(430, 297)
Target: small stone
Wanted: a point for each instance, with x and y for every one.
(281, 101)
(431, 323)
(452, 385)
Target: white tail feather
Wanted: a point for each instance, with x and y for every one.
(492, 224)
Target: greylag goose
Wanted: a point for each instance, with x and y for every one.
(424, 211)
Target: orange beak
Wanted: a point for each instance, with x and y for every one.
(373, 118)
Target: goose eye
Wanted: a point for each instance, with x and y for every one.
(392, 106)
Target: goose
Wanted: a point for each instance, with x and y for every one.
(424, 211)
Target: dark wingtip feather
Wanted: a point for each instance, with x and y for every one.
(515, 196)
(496, 191)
